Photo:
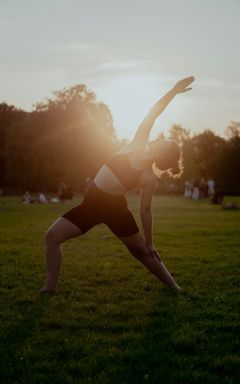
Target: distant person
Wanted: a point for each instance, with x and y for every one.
(62, 188)
(211, 187)
(217, 198)
(54, 200)
(42, 198)
(27, 199)
(230, 206)
(105, 202)
(188, 189)
(195, 193)
(203, 188)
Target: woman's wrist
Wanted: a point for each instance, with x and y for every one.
(174, 91)
(149, 244)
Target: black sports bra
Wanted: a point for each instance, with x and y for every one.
(122, 168)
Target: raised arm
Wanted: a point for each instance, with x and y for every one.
(142, 134)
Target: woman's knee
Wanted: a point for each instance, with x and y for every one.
(136, 246)
(140, 251)
(60, 231)
(52, 237)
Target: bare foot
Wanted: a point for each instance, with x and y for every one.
(178, 288)
(47, 290)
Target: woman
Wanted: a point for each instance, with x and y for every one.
(105, 202)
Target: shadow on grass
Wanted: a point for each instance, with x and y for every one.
(150, 361)
(117, 349)
(18, 336)
(141, 352)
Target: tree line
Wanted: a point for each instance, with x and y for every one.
(68, 137)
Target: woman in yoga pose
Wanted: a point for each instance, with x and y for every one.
(105, 202)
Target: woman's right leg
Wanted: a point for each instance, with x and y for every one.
(60, 231)
(137, 247)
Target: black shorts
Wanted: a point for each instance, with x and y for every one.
(102, 207)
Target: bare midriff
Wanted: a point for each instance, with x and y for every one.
(108, 182)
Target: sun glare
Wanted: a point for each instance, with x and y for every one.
(129, 98)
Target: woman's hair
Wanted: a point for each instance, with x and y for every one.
(169, 161)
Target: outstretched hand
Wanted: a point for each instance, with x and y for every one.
(183, 85)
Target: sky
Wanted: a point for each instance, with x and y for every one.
(130, 53)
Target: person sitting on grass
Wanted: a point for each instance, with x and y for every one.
(105, 202)
(27, 198)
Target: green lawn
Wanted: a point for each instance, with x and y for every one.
(112, 321)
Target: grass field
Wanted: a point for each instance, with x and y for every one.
(112, 321)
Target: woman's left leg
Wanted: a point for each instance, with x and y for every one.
(60, 231)
(138, 248)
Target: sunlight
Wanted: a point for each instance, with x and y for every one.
(129, 98)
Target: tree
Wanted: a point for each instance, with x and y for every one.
(206, 148)
(67, 138)
(230, 160)
(178, 133)
(8, 114)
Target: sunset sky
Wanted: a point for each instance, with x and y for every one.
(129, 52)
